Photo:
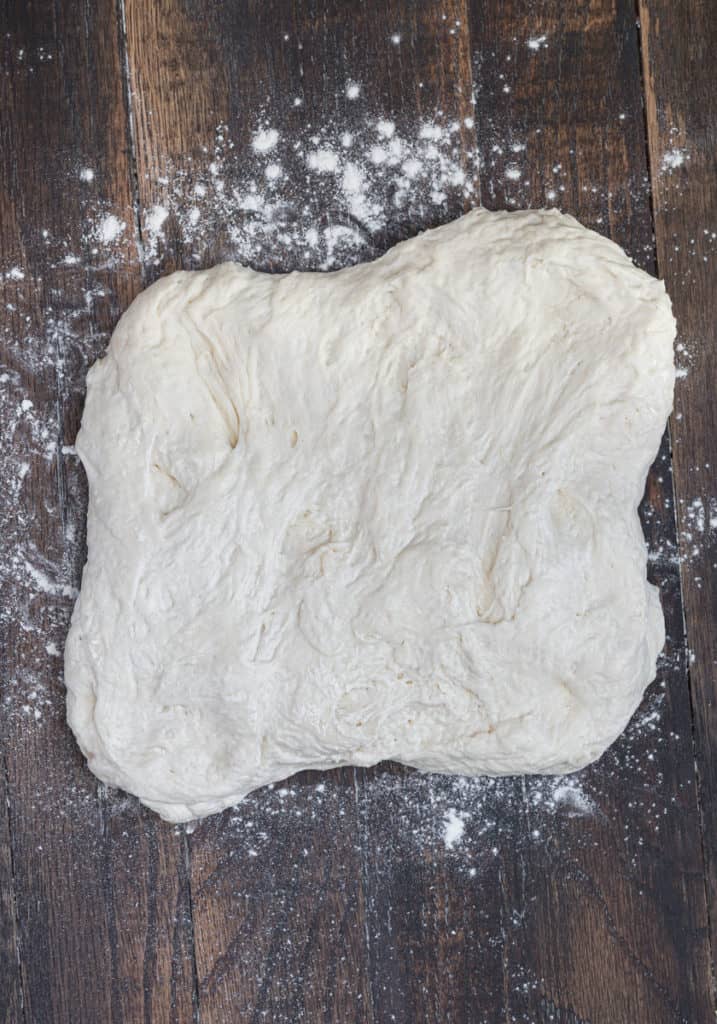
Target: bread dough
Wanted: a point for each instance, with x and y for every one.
(388, 512)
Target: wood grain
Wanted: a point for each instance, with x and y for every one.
(11, 994)
(560, 123)
(99, 893)
(204, 77)
(339, 897)
(679, 43)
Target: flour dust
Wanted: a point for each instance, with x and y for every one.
(324, 197)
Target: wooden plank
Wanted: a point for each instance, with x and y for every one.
(436, 905)
(278, 907)
(299, 866)
(100, 897)
(204, 81)
(11, 994)
(611, 910)
(350, 902)
(678, 43)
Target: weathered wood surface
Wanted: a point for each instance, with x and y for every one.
(679, 42)
(11, 996)
(100, 889)
(342, 897)
(566, 80)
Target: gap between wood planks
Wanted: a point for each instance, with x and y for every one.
(131, 128)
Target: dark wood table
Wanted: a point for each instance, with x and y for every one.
(350, 896)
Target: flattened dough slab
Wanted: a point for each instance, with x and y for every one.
(388, 512)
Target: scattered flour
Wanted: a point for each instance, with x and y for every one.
(695, 515)
(454, 827)
(155, 218)
(326, 161)
(265, 139)
(673, 159)
(153, 223)
(110, 228)
(569, 794)
(261, 202)
(318, 197)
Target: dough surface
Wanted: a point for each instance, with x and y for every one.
(387, 512)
